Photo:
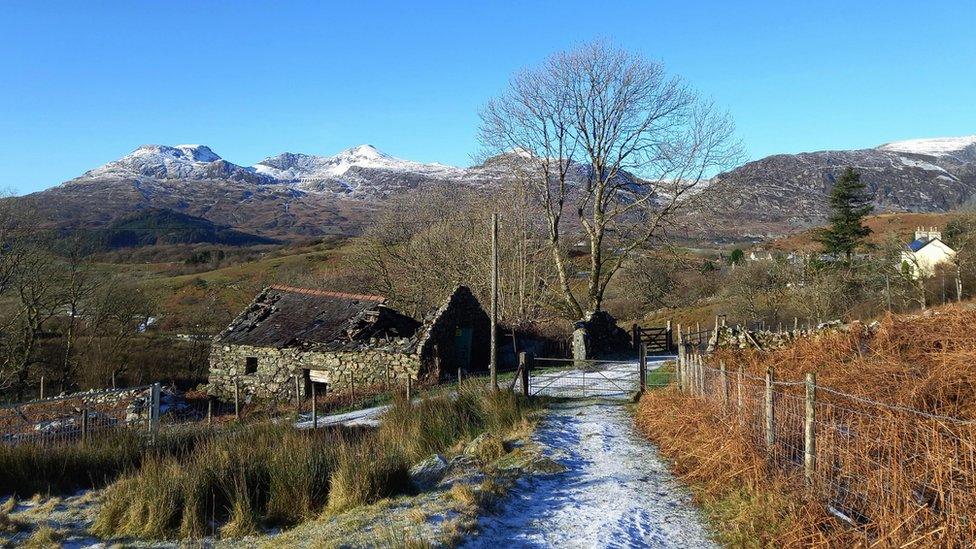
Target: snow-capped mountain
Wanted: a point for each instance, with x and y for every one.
(294, 194)
(190, 162)
(781, 193)
(282, 195)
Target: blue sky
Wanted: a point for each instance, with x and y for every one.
(82, 83)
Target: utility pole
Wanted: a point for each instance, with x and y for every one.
(493, 365)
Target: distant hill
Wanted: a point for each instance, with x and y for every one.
(786, 193)
(157, 226)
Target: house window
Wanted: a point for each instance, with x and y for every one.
(251, 365)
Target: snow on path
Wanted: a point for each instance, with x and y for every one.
(366, 416)
(616, 491)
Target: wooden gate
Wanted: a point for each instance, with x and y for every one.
(659, 340)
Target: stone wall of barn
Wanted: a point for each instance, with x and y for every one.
(437, 346)
(276, 369)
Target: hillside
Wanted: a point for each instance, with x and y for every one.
(882, 227)
(785, 193)
(159, 227)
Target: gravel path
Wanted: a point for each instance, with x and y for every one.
(616, 491)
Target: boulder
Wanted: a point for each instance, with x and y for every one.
(426, 474)
(485, 448)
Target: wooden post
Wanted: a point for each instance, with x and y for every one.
(42, 387)
(113, 380)
(209, 410)
(493, 364)
(739, 399)
(725, 382)
(315, 405)
(524, 372)
(680, 365)
(237, 400)
(796, 324)
(635, 335)
(352, 387)
(770, 413)
(701, 375)
(409, 386)
(810, 430)
(643, 368)
(84, 426)
(154, 425)
(298, 395)
(459, 377)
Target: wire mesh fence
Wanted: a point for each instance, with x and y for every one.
(884, 469)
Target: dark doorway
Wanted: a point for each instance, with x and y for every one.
(462, 348)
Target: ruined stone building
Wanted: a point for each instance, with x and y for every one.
(344, 341)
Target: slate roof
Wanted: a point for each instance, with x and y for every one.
(918, 244)
(285, 316)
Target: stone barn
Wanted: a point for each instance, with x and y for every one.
(343, 341)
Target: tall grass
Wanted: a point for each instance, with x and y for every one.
(275, 475)
(269, 474)
(29, 469)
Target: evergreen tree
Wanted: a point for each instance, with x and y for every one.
(849, 204)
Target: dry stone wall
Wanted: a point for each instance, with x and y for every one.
(277, 368)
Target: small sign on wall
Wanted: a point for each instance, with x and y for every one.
(319, 376)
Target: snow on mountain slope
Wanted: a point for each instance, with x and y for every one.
(297, 167)
(963, 147)
(186, 162)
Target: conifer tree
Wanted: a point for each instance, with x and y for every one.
(849, 204)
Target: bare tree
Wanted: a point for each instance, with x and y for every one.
(610, 140)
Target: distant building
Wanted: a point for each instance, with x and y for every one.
(925, 253)
(343, 340)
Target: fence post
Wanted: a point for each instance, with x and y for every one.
(635, 335)
(209, 410)
(682, 382)
(154, 411)
(315, 405)
(237, 400)
(810, 430)
(770, 414)
(409, 386)
(701, 375)
(84, 426)
(643, 368)
(298, 395)
(739, 399)
(524, 372)
(42, 387)
(723, 374)
(459, 377)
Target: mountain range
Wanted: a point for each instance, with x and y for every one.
(291, 194)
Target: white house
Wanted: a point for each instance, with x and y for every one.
(926, 252)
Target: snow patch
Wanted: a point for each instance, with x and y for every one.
(939, 146)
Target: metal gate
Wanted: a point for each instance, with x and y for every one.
(569, 378)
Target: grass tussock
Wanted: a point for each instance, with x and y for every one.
(262, 474)
(44, 537)
(276, 476)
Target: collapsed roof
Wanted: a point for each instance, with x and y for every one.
(285, 316)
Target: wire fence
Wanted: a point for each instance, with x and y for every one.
(885, 469)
